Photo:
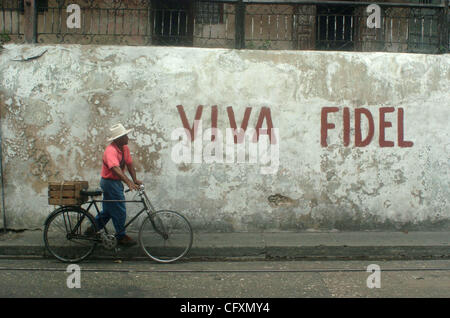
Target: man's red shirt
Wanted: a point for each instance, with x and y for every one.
(112, 157)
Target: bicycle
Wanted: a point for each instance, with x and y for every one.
(165, 236)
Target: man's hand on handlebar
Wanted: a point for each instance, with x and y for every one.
(132, 186)
(138, 185)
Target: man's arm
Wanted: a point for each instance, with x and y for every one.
(124, 178)
(132, 172)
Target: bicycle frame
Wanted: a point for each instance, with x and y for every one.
(148, 207)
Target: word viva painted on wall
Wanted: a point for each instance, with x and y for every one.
(209, 146)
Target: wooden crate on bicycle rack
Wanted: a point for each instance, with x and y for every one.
(67, 192)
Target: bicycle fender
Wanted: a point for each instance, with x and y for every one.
(62, 208)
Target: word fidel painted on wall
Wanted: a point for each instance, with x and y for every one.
(263, 141)
(360, 140)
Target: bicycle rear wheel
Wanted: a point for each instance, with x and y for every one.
(64, 234)
(165, 236)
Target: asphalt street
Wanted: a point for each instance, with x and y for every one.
(47, 278)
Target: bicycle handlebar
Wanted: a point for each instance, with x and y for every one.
(141, 187)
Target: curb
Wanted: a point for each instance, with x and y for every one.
(269, 246)
(262, 253)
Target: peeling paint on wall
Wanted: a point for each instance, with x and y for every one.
(56, 110)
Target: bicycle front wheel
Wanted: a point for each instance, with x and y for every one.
(165, 236)
(65, 234)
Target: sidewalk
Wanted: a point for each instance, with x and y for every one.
(270, 245)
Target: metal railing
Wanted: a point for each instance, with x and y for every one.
(414, 26)
(114, 24)
(140, 22)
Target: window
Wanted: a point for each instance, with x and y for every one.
(423, 28)
(172, 22)
(209, 13)
(42, 6)
(334, 27)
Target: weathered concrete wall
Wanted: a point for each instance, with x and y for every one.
(56, 110)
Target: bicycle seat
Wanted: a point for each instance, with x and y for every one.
(91, 193)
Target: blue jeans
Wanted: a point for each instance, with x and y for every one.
(112, 190)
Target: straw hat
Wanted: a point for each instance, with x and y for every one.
(118, 131)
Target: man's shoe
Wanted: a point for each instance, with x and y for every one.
(127, 241)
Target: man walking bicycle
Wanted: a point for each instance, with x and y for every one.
(115, 158)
